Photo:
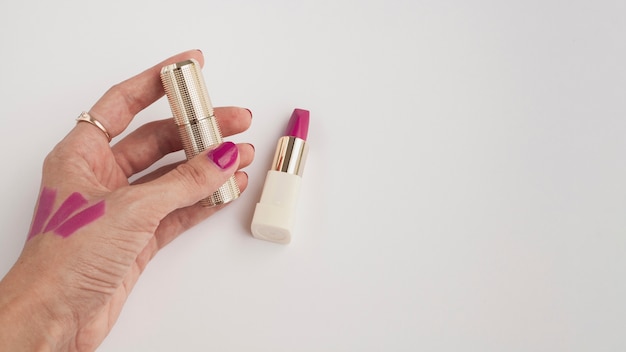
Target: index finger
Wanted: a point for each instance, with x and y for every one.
(117, 107)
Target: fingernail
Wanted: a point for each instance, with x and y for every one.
(250, 111)
(224, 155)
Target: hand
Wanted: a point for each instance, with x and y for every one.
(93, 233)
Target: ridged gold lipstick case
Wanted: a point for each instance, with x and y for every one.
(193, 114)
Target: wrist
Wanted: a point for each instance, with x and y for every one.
(29, 315)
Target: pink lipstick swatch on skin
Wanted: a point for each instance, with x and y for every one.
(81, 220)
(44, 209)
(74, 202)
(65, 220)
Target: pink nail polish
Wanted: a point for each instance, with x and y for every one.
(224, 155)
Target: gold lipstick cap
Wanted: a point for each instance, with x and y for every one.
(193, 113)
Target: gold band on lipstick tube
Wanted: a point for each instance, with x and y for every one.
(193, 114)
(290, 155)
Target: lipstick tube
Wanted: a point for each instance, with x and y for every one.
(274, 215)
(193, 114)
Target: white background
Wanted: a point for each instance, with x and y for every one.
(465, 188)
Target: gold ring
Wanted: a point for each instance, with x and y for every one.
(85, 117)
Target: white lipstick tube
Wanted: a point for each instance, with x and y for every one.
(274, 215)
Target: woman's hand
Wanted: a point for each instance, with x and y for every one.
(93, 233)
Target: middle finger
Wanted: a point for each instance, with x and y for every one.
(152, 141)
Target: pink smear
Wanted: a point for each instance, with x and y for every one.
(72, 204)
(44, 208)
(81, 220)
(298, 124)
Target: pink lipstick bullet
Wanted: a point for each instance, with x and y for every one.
(274, 214)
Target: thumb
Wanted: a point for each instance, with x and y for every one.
(193, 180)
